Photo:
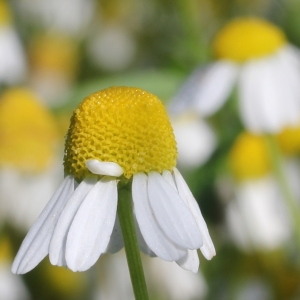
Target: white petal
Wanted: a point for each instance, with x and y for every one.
(142, 243)
(104, 168)
(167, 175)
(57, 246)
(116, 239)
(36, 243)
(206, 89)
(92, 226)
(190, 262)
(269, 93)
(154, 237)
(172, 214)
(208, 249)
(215, 87)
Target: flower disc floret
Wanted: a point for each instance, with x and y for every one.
(124, 125)
(247, 38)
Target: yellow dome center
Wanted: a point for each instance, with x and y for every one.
(247, 38)
(249, 158)
(124, 125)
(289, 140)
(27, 131)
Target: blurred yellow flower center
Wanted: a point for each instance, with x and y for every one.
(247, 38)
(124, 125)
(27, 131)
(248, 158)
(289, 140)
(5, 15)
(54, 53)
(5, 249)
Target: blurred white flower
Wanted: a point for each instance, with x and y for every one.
(71, 17)
(254, 55)
(195, 139)
(257, 217)
(165, 280)
(256, 213)
(28, 159)
(112, 48)
(171, 282)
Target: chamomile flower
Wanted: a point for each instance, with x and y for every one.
(28, 157)
(119, 137)
(257, 216)
(254, 55)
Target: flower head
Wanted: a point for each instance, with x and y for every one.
(253, 54)
(247, 38)
(121, 125)
(118, 136)
(28, 159)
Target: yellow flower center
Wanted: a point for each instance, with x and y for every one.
(124, 125)
(247, 38)
(5, 14)
(248, 158)
(27, 131)
(5, 249)
(54, 53)
(289, 140)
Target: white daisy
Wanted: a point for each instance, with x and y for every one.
(257, 215)
(28, 157)
(254, 55)
(118, 138)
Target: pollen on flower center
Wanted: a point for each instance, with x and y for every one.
(124, 125)
(247, 38)
(248, 158)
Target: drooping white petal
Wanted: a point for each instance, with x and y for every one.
(36, 244)
(190, 262)
(57, 246)
(104, 168)
(215, 87)
(92, 226)
(116, 239)
(208, 249)
(269, 93)
(172, 214)
(206, 90)
(142, 243)
(157, 241)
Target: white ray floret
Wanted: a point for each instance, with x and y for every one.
(35, 245)
(92, 226)
(104, 168)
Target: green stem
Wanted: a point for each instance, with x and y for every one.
(125, 213)
(278, 168)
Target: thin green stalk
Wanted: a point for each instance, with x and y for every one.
(278, 168)
(125, 213)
